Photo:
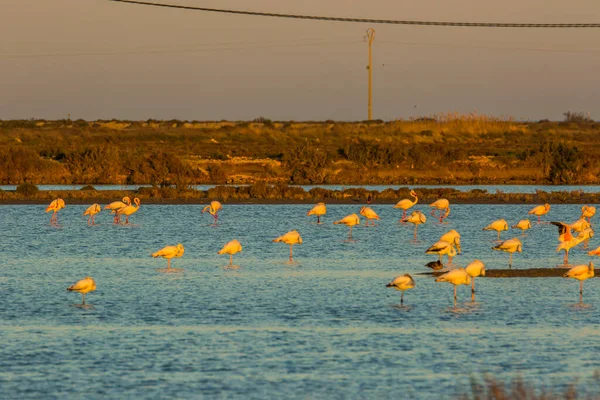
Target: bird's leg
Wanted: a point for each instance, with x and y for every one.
(510, 260)
(168, 263)
(402, 298)
(83, 299)
(539, 219)
(586, 243)
(291, 246)
(127, 219)
(454, 292)
(350, 234)
(231, 259)
(318, 219)
(566, 257)
(449, 259)
(404, 216)
(580, 288)
(473, 286)
(416, 226)
(498, 235)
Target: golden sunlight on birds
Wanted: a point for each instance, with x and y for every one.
(213, 209)
(130, 210)
(588, 212)
(231, 248)
(417, 218)
(474, 269)
(456, 277)
(369, 214)
(452, 236)
(319, 210)
(291, 238)
(91, 211)
(442, 205)
(402, 283)
(170, 252)
(115, 206)
(523, 225)
(539, 211)
(498, 226)
(406, 204)
(83, 286)
(442, 248)
(581, 273)
(349, 220)
(55, 206)
(510, 246)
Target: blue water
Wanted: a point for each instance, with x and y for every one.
(326, 327)
(462, 188)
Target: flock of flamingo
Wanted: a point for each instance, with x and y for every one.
(448, 244)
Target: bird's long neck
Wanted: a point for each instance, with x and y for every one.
(452, 251)
(416, 199)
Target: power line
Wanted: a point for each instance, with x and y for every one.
(366, 20)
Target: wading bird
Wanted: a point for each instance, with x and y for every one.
(456, 277)
(498, 226)
(510, 246)
(588, 212)
(474, 269)
(231, 248)
(417, 218)
(213, 209)
(523, 225)
(291, 238)
(586, 234)
(595, 252)
(406, 204)
(581, 273)
(402, 283)
(442, 248)
(350, 221)
(170, 252)
(115, 206)
(55, 206)
(369, 214)
(435, 265)
(442, 205)
(568, 245)
(319, 209)
(84, 286)
(580, 225)
(91, 212)
(539, 211)
(129, 210)
(564, 231)
(453, 237)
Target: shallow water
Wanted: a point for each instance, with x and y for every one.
(462, 188)
(326, 327)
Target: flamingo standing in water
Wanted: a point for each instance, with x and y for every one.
(586, 235)
(291, 238)
(170, 252)
(456, 277)
(55, 206)
(115, 206)
(498, 226)
(129, 210)
(581, 273)
(402, 283)
(83, 286)
(539, 211)
(440, 248)
(369, 214)
(523, 225)
(417, 218)
(406, 204)
(349, 220)
(231, 248)
(213, 209)
(452, 236)
(92, 211)
(319, 209)
(588, 212)
(474, 269)
(442, 205)
(510, 246)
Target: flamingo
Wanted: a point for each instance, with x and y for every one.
(129, 210)
(319, 209)
(402, 283)
(170, 252)
(595, 252)
(441, 204)
(568, 245)
(440, 248)
(92, 211)
(55, 206)
(580, 225)
(406, 204)
(581, 273)
(417, 218)
(435, 265)
(588, 212)
(231, 248)
(586, 234)
(115, 206)
(452, 236)
(474, 269)
(83, 286)
(349, 220)
(213, 209)
(369, 214)
(539, 211)
(456, 277)
(523, 225)
(510, 246)
(291, 238)
(498, 226)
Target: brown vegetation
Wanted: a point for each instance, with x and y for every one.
(443, 149)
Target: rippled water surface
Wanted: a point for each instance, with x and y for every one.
(326, 327)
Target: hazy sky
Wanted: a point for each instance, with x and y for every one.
(100, 59)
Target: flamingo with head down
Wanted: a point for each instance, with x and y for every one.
(91, 211)
(456, 277)
(369, 214)
(417, 218)
(510, 246)
(55, 206)
(115, 206)
(213, 209)
(442, 205)
(588, 212)
(319, 209)
(581, 273)
(539, 211)
(170, 252)
(523, 225)
(402, 283)
(231, 248)
(291, 238)
(442, 248)
(350, 221)
(498, 226)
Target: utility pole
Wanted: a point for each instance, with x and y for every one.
(371, 37)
